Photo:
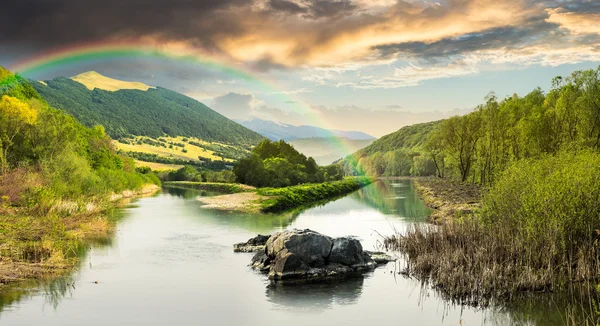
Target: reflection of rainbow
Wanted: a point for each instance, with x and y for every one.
(91, 52)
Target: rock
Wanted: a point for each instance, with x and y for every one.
(379, 257)
(295, 256)
(261, 262)
(255, 244)
(346, 251)
(287, 265)
(311, 247)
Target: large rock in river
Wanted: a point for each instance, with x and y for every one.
(305, 255)
(311, 247)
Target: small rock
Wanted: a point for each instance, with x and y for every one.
(255, 244)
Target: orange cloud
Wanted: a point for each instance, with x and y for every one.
(575, 22)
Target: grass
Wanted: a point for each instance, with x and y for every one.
(227, 188)
(38, 243)
(283, 199)
(158, 166)
(92, 79)
(538, 230)
(193, 151)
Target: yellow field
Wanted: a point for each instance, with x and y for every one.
(158, 166)
(193, 152)
(92, 79)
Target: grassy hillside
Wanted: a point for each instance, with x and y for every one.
(398, 154)
(152, 113)
(92, 79)
(409, 137)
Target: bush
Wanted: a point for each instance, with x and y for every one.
(555, 198)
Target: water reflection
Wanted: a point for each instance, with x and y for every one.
(393, 197)
(187, 193)
(315, 297)
(170, 262)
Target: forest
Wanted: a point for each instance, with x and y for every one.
(278, 164)
(57, 177)
(536, 159)
(477, 147)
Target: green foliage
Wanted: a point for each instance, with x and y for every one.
(477, 147)
(555, 198)
(395, 154)
(196, 174)
(150, 113)
(278, 164)
(63, 159)
(307, 194)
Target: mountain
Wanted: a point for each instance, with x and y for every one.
(327, 150)
(131, 108)
(410, 137)
(277, 131)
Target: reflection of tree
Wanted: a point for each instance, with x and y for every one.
(393, 197)
(187, 193)
(317, 296)
(254, 222)
(53, 290)
(573, 307)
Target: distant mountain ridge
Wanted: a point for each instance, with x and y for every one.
(125, 109)
(287, 132)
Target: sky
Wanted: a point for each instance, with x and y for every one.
(367, 65)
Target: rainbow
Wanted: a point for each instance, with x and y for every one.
(93, 52)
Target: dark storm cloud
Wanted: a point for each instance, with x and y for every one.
(43, 21)
(501, 37)
(278, 34)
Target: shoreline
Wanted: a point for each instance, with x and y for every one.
(279, 200)
(34, 257)
(448, 199)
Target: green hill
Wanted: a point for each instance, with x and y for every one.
(409, 137)
(155, 112)
(397, 154)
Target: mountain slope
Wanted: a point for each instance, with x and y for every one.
(92, 79)
(154, 112)
(398, 154)
(410, 137)
(327, 150)
(277, 131)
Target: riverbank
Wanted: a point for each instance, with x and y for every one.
(275, 200)
(227, 188)
(40, 247)
(448, 199)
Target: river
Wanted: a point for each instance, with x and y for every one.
(171, 263)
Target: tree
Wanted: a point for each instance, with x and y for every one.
(434, 147)
(460, 135)
(15, 115)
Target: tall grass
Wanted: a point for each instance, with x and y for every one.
(538, 231)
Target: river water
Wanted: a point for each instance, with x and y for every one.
(171, 263)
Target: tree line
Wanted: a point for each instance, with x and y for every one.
(278, 164)
(478, 146)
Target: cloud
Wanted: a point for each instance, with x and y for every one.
(576, 22)
(339, 35)
(351, 117)
(234, 105)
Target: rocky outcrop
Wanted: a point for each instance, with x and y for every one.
(255, 244)
(304, 255)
